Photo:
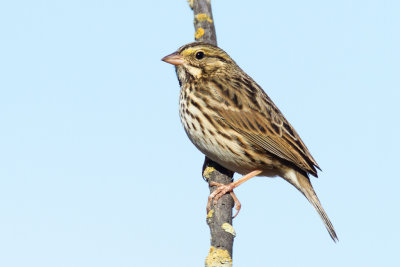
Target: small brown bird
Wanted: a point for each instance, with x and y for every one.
(229, 118)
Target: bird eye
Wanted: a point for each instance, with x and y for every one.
(199, 55)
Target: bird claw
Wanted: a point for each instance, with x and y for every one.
(221, 190)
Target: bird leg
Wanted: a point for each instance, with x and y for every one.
(222, 189)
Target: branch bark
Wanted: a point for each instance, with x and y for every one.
(219, 219)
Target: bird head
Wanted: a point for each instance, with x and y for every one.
(199, 60)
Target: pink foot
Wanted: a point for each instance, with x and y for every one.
(221, 190)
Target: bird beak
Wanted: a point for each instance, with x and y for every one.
(174, 59)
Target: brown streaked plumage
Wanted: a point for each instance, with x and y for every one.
(229, 118)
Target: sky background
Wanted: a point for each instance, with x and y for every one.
(95, 167)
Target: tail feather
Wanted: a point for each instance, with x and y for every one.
(303, 184)
(312, 197)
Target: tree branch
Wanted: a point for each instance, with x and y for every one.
(219, 219)
(203, 21)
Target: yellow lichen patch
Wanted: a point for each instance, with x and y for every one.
(207, 172)
(218, 258)
(210, 214)
(190, 3)
(203, 17)
(228, 228)
(188, 52)
(199, 33)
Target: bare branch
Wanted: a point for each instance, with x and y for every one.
(219, 219)
(203, 21)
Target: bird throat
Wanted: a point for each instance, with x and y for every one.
(187, 72)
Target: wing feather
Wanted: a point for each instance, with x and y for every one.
(259, 121)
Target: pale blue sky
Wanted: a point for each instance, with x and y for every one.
(96, 169)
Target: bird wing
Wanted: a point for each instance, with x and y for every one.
(249, 111)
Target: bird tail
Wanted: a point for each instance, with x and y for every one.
(303, 184)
